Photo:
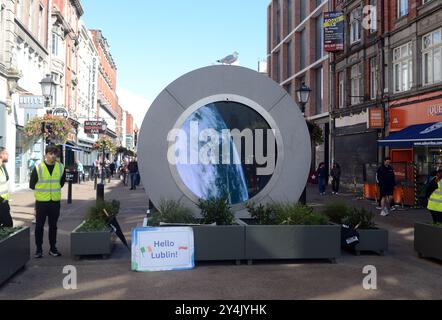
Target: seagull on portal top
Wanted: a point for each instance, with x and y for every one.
(230, 59)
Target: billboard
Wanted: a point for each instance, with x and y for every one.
(333, 31)
(93, 127)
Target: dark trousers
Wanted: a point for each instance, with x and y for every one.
(322, 185)
(5, 215)
(133, 180)
(52, 211)
(437, 216)
(335, 184)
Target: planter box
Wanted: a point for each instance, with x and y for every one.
(375, 240)
(292, 242)
(428, 240)
(91, 243)
(216, 243)
(15, 253)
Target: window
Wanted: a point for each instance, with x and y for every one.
(373, 79)
(40, 24)
(373, 16)
(289, 59)
(319, 48)
(431, 57)
(20, 9)
(341, 102)
(355, 25)
(277, 22)
(31, 16)
(319, 90)
(425, 1)
(402, 68)
(303, 51)
(55, 41)
(402, 8)
(302, 10)
(289, 15)
(355, 84)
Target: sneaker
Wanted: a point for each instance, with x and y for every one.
(54, 253)
(385, 213)
(379, 208)
(38, 254)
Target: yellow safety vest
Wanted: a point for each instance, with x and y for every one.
(4, 189)
(435, 201)
(48, 187)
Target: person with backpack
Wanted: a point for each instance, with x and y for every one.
(434, 196)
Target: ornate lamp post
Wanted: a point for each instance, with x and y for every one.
(303, 94)
(47, 89)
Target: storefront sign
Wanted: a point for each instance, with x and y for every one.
(333, 31)
(162, 249)
(32, 102)
(60, 112)
(417, 113)
(93, 127)
(375, 118)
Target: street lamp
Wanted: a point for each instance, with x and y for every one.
(303, 97)
(104, 130)
(47, 88)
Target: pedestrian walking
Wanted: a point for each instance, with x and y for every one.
(133, 170)
(5, 209)
(336, 177)
(385, 177)
(47, 180)
(321, 173)
(434, 196)
(112, 169)
(80, 170)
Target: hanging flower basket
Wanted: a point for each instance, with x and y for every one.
(57, 129)
(105, 143)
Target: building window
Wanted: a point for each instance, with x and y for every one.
(402, 8)
(289, 15)
(302, 10)
(289, 59)
(19, 9)
(303, 50)
(319, 90)
(431, 57)
(373, 16)
(355, 84)
(341, 93)
(426, 1)
(355, 25)
(31, 16)
(373, 79)
(319, 38)
(277, 22)
(402, 68)
(55, 41)
(40, 24)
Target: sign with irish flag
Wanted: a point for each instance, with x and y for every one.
(162, 249)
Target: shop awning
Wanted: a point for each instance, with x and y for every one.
(72, 147)
(428, 134)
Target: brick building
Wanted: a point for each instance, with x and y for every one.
(296, 55)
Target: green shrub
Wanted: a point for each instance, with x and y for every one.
(216, 210)
(6, 232)
(437, 224)
(96, 219)
(360, 216)
(336, 211)
(171, 212)
(263, 214)
(297, 214)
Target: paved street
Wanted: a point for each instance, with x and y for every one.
(401, 275)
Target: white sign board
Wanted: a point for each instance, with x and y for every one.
(162, 249)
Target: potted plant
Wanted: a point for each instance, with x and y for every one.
(371, 238)
(428, 240)
(94, 236)
(14, 251)
(289, 231)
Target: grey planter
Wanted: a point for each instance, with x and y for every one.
(91, 243)
(292, 242)
(15, 253)
(375, 240)
(216, 243)
(428, 240)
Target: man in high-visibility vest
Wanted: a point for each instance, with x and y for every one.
(434, 195)
(47, 180)
(5, 210)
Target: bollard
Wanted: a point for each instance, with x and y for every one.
(95, 182)
(70, 192)
(100, 192)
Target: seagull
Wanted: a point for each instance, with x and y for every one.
(230, 59)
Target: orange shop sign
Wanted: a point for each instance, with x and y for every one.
(375, 118)
(423, 112)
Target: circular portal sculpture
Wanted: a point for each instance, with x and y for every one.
(224, 130)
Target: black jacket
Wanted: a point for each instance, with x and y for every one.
(433, 186)
(386, 177)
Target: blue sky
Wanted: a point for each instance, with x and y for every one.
(155, 42)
